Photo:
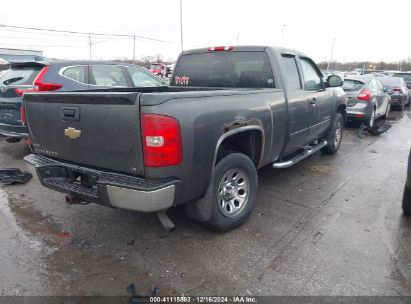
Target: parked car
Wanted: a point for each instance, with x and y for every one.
(199, 142)
(158, 69)
(61, 76)
(367, 99)
(406, 200)
(170, 69)
(18, 77)
(397, 88)
(407, 78)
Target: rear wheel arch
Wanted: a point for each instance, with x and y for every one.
(248, 140)
(342, 109)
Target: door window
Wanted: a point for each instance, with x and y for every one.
(108, 75)
(143, 79)
(291, 72)
(312, 78)
(77, 73)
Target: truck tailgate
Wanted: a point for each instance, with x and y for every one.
(99, 129)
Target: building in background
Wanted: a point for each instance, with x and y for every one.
(16, 55)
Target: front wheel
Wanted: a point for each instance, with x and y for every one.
(232, 192)
(335, 136)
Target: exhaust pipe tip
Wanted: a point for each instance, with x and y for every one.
(166, 221)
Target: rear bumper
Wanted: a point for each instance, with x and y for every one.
(18, 131)
(360, 111)
(105, 188)
(397, 99)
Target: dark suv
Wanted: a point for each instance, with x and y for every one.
(61, 76)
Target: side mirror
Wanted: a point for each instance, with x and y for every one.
(334, 81)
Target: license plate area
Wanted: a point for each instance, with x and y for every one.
(69, 176)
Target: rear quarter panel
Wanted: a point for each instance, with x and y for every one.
(205, 118)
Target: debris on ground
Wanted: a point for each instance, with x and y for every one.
(138, 298)
(376, 130)
(10, 176)
(82, 244)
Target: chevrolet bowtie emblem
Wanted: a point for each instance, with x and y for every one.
(72, 133)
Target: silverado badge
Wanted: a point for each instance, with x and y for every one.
(72, 133)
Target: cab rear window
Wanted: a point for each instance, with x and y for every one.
(224, 69)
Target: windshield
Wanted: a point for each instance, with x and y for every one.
(19, 76)
(407, 77)
(351, 85)
(224, 69)
(390, 81)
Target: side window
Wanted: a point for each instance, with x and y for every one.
(291, 72)
(312, 79)
(108, 75)
(143, 79)
(77, 73)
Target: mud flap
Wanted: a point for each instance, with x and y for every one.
(200, 210)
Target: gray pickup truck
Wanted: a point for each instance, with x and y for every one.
(228, 112)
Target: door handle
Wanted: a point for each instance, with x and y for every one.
(313, 101)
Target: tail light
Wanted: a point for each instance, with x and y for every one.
(365, 95)
(45, 86)
(397, 90)
(221, 48)
(40, 85)
(23, 115)
(161, 140)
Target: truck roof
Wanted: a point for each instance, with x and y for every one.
(249, 48)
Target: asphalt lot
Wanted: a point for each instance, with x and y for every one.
(331, 225)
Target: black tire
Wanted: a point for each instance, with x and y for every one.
(230, 163)
(387, 111)
(402, 105)
(406, 201)
(370, 123)
(332, 144)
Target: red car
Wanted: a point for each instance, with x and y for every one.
(159, 69)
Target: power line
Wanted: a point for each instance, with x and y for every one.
(83, 33)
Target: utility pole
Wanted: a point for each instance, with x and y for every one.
(332, 54)
(238, 37)
(282, 34)
(134, 49)
(90, 44)
(181, 24)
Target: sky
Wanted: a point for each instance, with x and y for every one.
(360, 30)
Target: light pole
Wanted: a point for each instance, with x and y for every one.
(90, 44)
(134, 49)
(282, 34)
(181, 24)
(332, 54)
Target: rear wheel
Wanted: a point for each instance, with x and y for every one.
(335, 136)
(387, 111)
(402, 105)
(371, 120)
(232, 192)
